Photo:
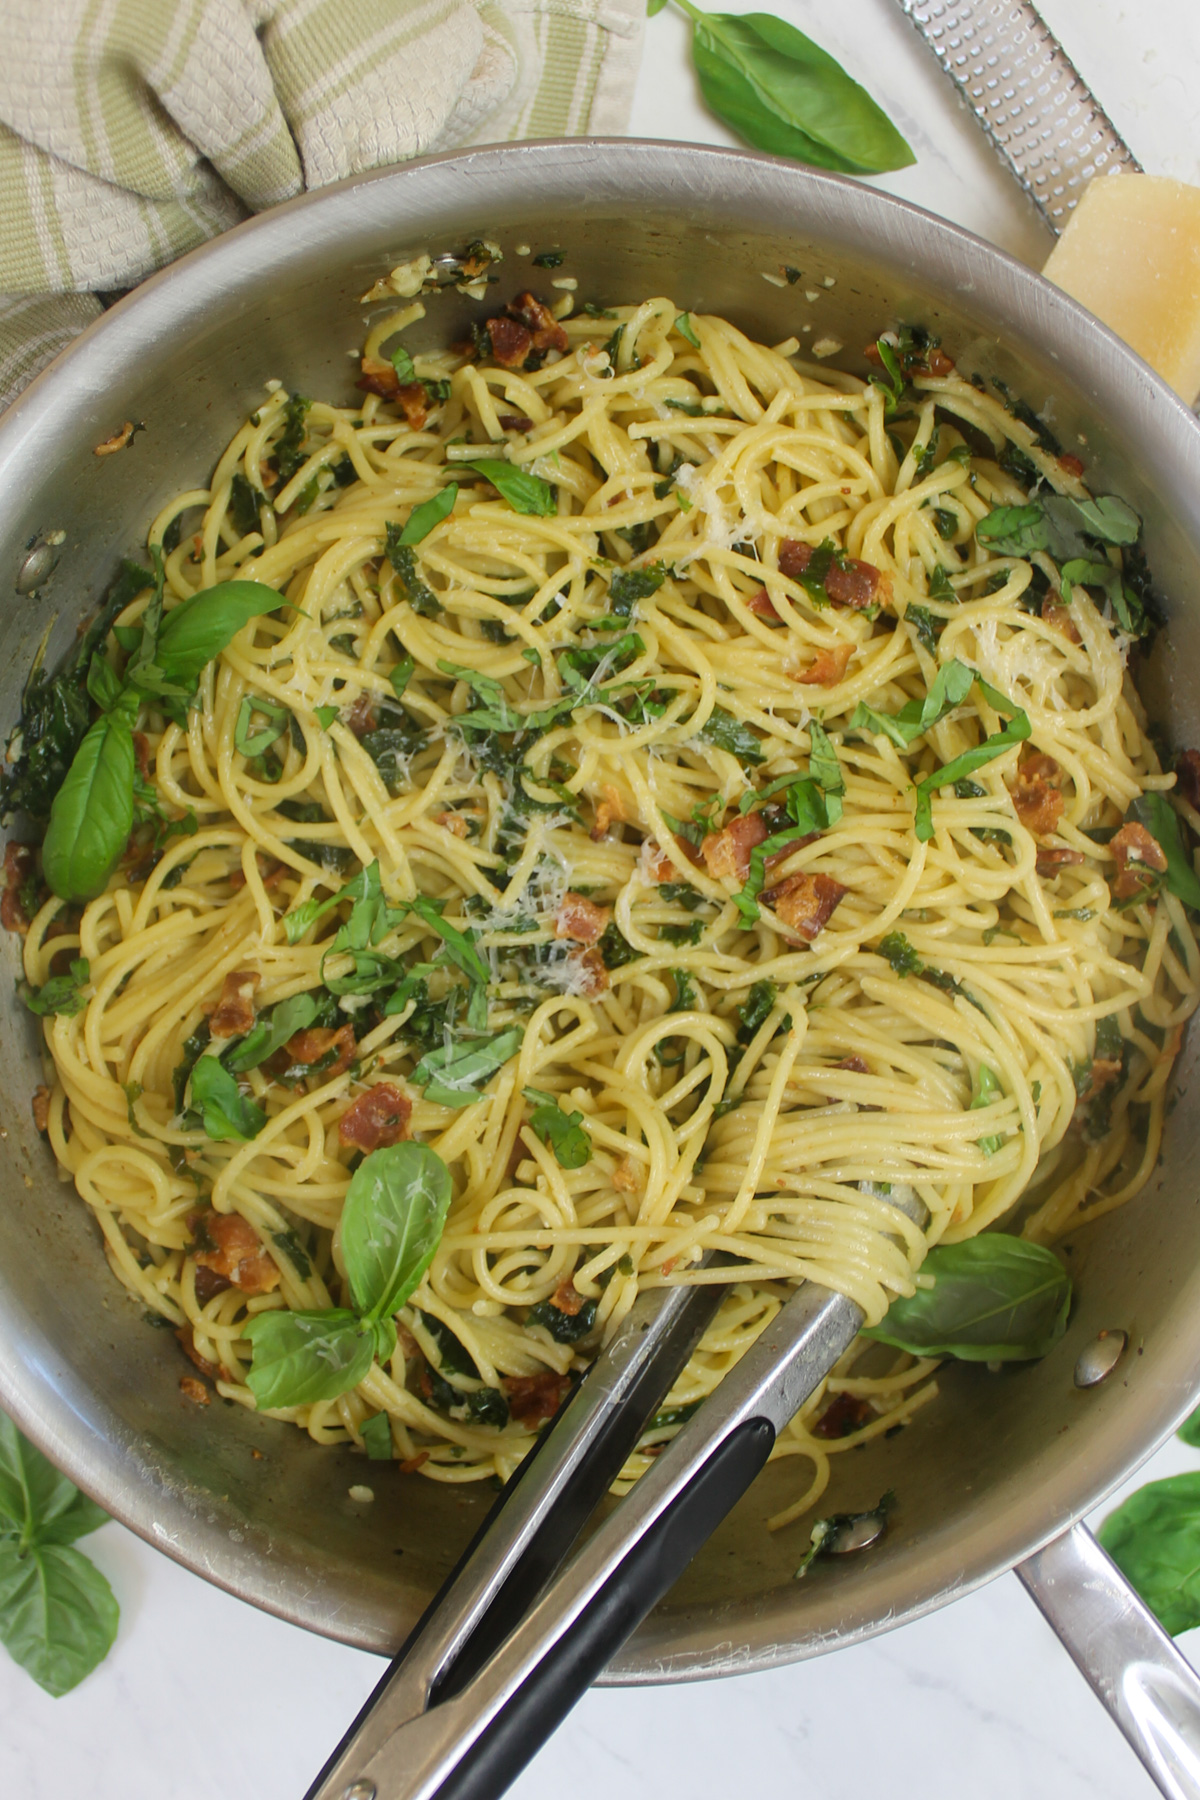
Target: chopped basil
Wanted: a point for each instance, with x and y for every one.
(565, 1133)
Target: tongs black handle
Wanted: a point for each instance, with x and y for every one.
(427, 1735)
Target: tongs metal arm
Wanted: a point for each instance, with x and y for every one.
(473, 1741)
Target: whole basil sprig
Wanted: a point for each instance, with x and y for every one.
(92, 813)
(392, 1223)
(777, 90)
(58, 1617)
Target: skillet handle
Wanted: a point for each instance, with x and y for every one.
(1121, 1650)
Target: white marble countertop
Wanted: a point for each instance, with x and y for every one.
(205, 1697)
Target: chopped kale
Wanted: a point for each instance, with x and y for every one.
(630, 585)
(691, 933)
(193, 1049)
(289, 451)
(403, 559)
(615, 949)
(564, 1328)
(755, 1009)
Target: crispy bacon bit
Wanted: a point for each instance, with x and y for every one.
(310, 1046)
(626, 1176)
(41, 1107)
(514, 422)
(654, 865)
(453, 822)
(1139, 859)
(377, 1118)
(871, 352)
(413, 397)
(378, 378)
(141, 750)
(532, 1399)
(726, 852)
(194, 1390)
(854, 1065)
(794, 558)
(1071, 465)
(1052, 858)
(590, 973)
(362, 716)
(1036, 793)
(117, 441)
(608, 812)
(938, 363)
(234, 1012)
(1187, 780)
(581, 920)
(187, 1343)
(1061, 619)
(762, 604)
(209, 1284)
(850, 582)
(567, 1299)
(547, 333)
(844, 1414)
(511, 342)
(1104, 1071)
(828, 669)
(18, 867)
(238, 1255)
(805, 903)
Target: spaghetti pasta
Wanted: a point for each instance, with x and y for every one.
(596, 671)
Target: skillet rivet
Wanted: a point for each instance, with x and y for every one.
(37, 567)
(1100, 1358)
(360, 1790)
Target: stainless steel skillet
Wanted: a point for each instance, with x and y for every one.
(1001, 1464)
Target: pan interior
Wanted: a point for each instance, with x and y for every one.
(1000, 1462)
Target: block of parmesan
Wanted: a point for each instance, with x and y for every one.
(1131, 254)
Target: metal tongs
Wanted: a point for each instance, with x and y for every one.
(519, 1632)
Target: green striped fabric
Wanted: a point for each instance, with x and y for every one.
(133, 130)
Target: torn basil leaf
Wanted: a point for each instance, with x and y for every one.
(302, 1357)
(225, 1113)
(565, 1133)
(423, 518)
(61, 993)
(271, 1032)
(392, 1222)
(725, 732)
(454, 1075)
(525, 493)
(1154, 1539)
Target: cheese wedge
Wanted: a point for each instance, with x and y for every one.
(1131, 254)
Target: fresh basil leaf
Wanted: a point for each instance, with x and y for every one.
(376, 1433)
(1155, 812)
(525, 493)
(325, 715)
(271, 1032)
(423, 518)
(564, 1132)
(403, 364)
(103, 683)
(253, 743)
(36, 1500)
(303, 1357)
(392, 1223)
(995, 1299)
(460, 946)
(725, 732)
(683, 323)
(627, 586)
(61, 993)
(402, 674)
(226, 1115)
(1189, 1431)
(826, 770)
(1128, 608)
(363, 885)
(197, 631)
(1015, 731)
(778, 91)
(92, 813)
(916, 717)
(58, 1617)
(1014, 530)
(1110, 519)
(1154, 1539)
(453, 1074)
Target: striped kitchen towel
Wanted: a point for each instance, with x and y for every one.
(132, 130)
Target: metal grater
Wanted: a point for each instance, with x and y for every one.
(1028, 95)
